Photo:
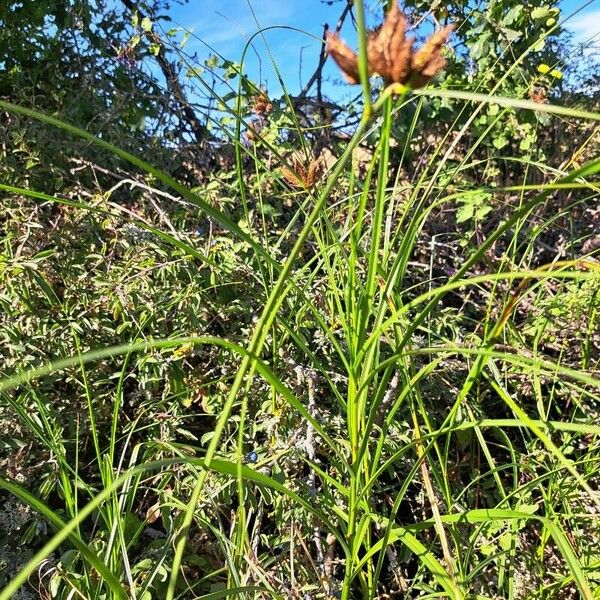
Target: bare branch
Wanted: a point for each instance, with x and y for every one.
(316, 76)
(171, 76)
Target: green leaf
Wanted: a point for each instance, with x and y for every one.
(212, 61)
(541, 13)
(146, 24)
(513, 14)
(465, 212)
(511, 35)
(493, 110)
(539, 46)
(481, 48)
(482, 211)
(500, 142)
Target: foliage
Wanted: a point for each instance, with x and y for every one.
(309, 372)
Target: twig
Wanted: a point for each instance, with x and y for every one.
(310, 452)
(322, 59)
(147, 188)
(162, 215)
(317, 75)
(172, 79)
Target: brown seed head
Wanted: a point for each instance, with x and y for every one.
(390, 53)
(252, 131)
(345, 58)
(389, 50)
(304, 174)
(261, 105)
(429, 60)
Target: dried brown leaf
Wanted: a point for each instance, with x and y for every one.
(153, 513)
(539, 94)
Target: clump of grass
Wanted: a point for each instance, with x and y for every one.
(307, 403)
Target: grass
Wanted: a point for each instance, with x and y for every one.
(417, 433)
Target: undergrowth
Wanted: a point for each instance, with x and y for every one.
(304, 378)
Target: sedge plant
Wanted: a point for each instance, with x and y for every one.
(370, 352)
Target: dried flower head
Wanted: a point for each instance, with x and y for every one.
(253, 129)
(390, 53)
(345, 58)
(261, 105)
(539, 95)
(304, 174)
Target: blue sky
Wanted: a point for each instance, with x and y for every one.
(585, 24)
(225, 24)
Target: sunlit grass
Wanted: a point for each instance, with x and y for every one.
(376, 381)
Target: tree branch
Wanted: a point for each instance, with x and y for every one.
(317, 75)
(171, 76)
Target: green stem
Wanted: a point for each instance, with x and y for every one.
(363, 61)
(248, 365)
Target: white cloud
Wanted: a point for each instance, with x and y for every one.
(585, 27)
